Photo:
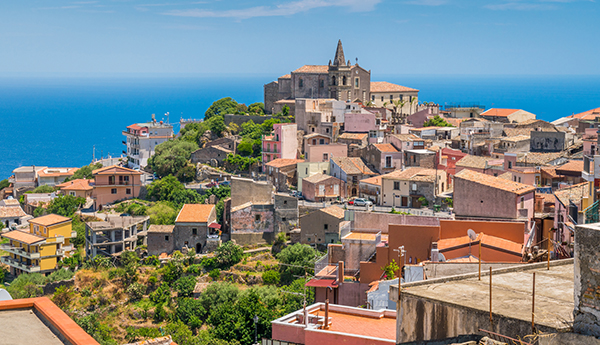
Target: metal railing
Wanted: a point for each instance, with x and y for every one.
(18, 264)
(503, 338)
(20, 252)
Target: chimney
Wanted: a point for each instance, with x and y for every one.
(326, 323)
(340, 272)
(435, 252)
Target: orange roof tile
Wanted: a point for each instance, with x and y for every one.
(49, 219)
(499, 112)
(194, 213)
(486, 240)
(353, 136)
(353, 165)
(377, 327)
(587, 115)
(375, 180)
(576, 166)
(115, 169)
(385, 147)
(11, 212)
(573, 193)
(313, 69)
(78, 184)
(282, 162)
(23, 237)
(384, 86)
(50, 172)
(335, 211)
(551, 171)
(285, 76)
(412, 173)
(494, 182)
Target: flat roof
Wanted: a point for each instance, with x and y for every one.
(511, 292)
(25, 327)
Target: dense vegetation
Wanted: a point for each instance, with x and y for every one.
(437, 121)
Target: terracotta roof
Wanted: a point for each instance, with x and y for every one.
(282, 162)
(354, 136)
(313, 135)
(194, 213)
(49, 219)
(539, 158)
(11, 202)
(573, 165)
(361, 325)
(486, 240)
(516, 138)
(407, 137)
(285, 76)
(316, 178)
(353, 165)
(385, 147)
(499, 112)
(50, 172)
(384, 86)
(470, 161)
(495, 182)
(587, 115)
(79, 184)
(412, 174)
(313, 69)
(23, 236)
(11, 212)
(511, 132)
(335, 211)
(551, 171)
(167, 229)
(572, 193)
(367, 236)
(115, 169)
(375, 180)
(453, 121)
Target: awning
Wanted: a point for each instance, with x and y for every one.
(322, 283)
(214, 226)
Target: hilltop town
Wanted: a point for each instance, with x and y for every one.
(339, 210)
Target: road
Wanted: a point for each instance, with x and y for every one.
(382, 209)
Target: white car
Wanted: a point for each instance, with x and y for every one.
(362, 202)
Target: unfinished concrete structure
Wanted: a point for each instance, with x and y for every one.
(115, 234)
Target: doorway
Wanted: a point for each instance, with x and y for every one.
(198, 248)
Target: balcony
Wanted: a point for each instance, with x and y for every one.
(273, 151)
(20, 265)
(73, 234)
(67, 248)
(57, 239)
(20, 252)
(114, 183)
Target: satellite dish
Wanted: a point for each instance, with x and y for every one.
(472, 235)
(4, 295)
(441, 257)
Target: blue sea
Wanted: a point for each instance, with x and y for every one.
(58, 121)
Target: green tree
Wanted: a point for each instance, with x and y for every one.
(216, 124)
(221, 107)
(170, 189)
(218, 293)
(160, 295)
(162, 213)
(437, 121)
(191, 312)
(171, 156)
(43, 189)
(172, 271)
(271, 277)
(185, 286)
(391, 270)
(301, 257)
(292, 302)
(251, 130)
(257, 108)
(228, 254)
(187, 173)
(65, 205)
(285, 111)
(4, 183)
(245, 147)
(85, 172)
(26, 285)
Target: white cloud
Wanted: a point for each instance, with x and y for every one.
(286, 9)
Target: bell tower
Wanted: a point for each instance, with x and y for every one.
(340, 76)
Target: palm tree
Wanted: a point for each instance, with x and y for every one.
(397, 104)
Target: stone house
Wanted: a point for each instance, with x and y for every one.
(350, 170)
(478, 195)
(517, 143)
(549, 141)
(322, 116)
(419, 158)
(210, 155)
(320, 187)
(355, 142)
(386, 93)
(323, 226)
(507, 115)
(383, 158)
(161, 239)
(404, 188)
(282, 173)
(11, 215)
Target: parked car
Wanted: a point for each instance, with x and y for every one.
(351, 202)
(211, 184)
(225, 183)
(362, 202)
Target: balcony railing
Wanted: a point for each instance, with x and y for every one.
(115, 183)
(57, 239)
(18, 251)
(18, 264)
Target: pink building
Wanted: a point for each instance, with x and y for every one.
(282, 143)
(366, 122)
(332, 324)
(322, 153)
(590, 141)
(115, 183)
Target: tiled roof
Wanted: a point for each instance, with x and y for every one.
(384, 86)
(353, 165)
(314, 135)
(282, 162)
(539, 158)
(407, 137)
(412, 174)
(512, 132)
(587, 115)
(115, 169)
(79, 184)
(470, 161)
(285, 76)
(495, 182)
(23, 236)
(52, 172)
(499, 112)
(11, 212)
(167, 229)
(572, 193)
(313, 69)
(194, 213)
(11, 202)
(572, 165)
(353, 136)
(335, 211)
(551, 171)
(49, 219)
(516, 138)
(385, 147)
(453, 121)
(486, 240)
(375, 180)
(316, 178)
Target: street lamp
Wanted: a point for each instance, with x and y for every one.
(401, 253)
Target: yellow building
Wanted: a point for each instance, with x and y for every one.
(40, 249)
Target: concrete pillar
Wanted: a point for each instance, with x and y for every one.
(587, 280)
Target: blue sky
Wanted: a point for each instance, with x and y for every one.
(273, 37)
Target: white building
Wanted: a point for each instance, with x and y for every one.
(142, 139)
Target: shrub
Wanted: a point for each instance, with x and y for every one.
(195, 270)
(185, 286)
(391, 270)
(26, 286)
(271, 277)
(59, 275)
(161, 295)
(62, 296)
(214, 274)
(172, 271)
(228, 254)
(136, 291)
(424, 202)
(152, 260)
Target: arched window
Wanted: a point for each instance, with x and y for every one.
(301, 82)
(344, 80)
(333, 80)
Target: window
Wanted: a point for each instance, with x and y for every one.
(314, 142)
(442, 186)
(414, 186)
(322, 83)
(344, 80)
(308, 239)
(283, 219)
(285, 202)
(113, 191)
(327, 130)
(356, 82)
(321, 141)
(72, 193)
(391, 97)
(128, 191)
(306, 171)
(333, 80)
(373, 98)
(510, 165)
(126, 178)
(396, 185)
(194, 231)
(325, 157)
(257, 217)
(301, 83)
(325, 226)
(111, 180)
(166, 238)
(522, 202)
(515, 178)
(382, 98)
(519, 179)
(388, 161)
(400, 97)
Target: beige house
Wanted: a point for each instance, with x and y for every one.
(386, 93)
(507, 115)
(78, 188)
(404, 188)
